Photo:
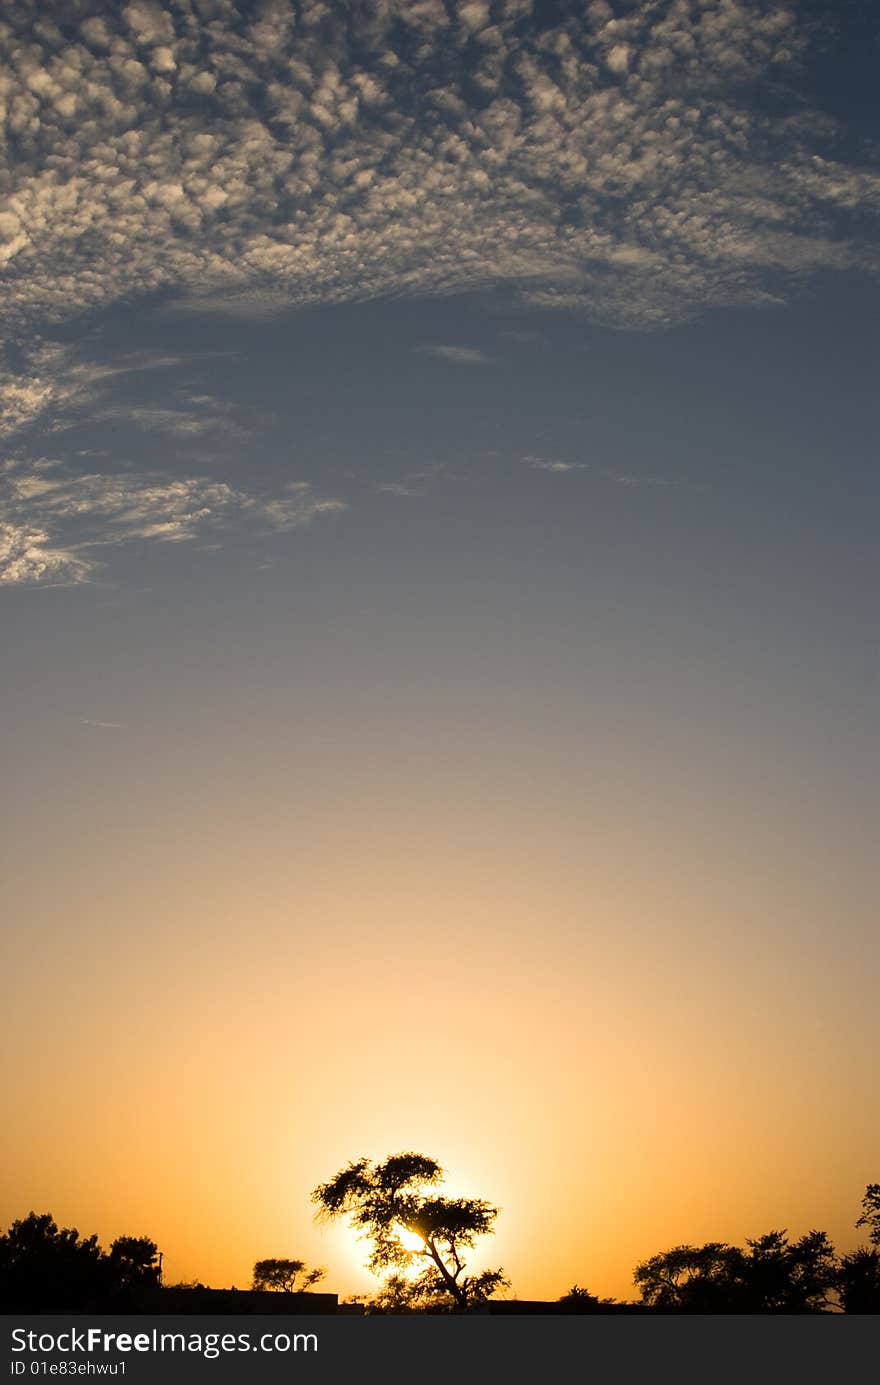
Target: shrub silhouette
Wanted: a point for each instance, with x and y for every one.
(282, 1275)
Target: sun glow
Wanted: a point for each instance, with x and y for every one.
(410, 1240)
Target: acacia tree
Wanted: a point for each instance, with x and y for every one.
(773, 1276)
(394, 1206)
(696, 1279)
(282, 1275)
(782, 1276)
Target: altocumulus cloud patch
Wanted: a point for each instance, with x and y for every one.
(636, 163)
(612, 158)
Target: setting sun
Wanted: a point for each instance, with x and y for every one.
(410, 1240)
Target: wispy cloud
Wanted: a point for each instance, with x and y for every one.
(296, 506)
(54, 524)
(412, 483)
(461, 355)
(552, 464)
(625, 478)
(202, 418)
(631, 480)
(401, 488)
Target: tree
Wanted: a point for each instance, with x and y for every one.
(692, 1279)
(281, 1276)
(871, 1213)
(133, 1262)
(394, 1206)
(399, 1293)
(578, 1297)
(858, 1280)
(772, 1276)
(580, 1300)
(789, 1277)
(44, 1267)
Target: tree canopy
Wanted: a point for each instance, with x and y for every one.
(282, 1276)
(45, 1267)
(773, 1275)
(871, 1213)
(394, 1206)
(859, 1272)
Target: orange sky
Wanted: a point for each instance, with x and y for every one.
(620, 1045)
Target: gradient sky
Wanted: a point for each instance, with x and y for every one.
(438, 593)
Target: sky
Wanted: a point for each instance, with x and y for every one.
(438, 602)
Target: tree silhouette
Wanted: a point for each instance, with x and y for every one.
(579, 1297)
(282, 1275)
(871, 1213)
(399, 1293)
(133, 1262)
(580, 1300)
(43, 1267)
(694, 1279)
(772, 1276)
(858, 1281)
(783, 1277)
(859, 1272)
(393, 1206)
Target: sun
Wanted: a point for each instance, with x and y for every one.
(409, 1239)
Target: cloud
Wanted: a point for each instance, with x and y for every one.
(559, 467)
(623, 162)
(53, 524)
(412, 483)
(552, 464)
(400, 488)
(28, 556)
(102, 725)
(462, 355)
(298, 505)
(624, 478)
(48, 388)
(636, 164)
(62, 514)
(204, 419)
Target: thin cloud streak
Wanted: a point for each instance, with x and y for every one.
(553, 464)
(461, 355)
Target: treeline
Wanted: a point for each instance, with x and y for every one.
(770, 1275)
(44, 1268)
